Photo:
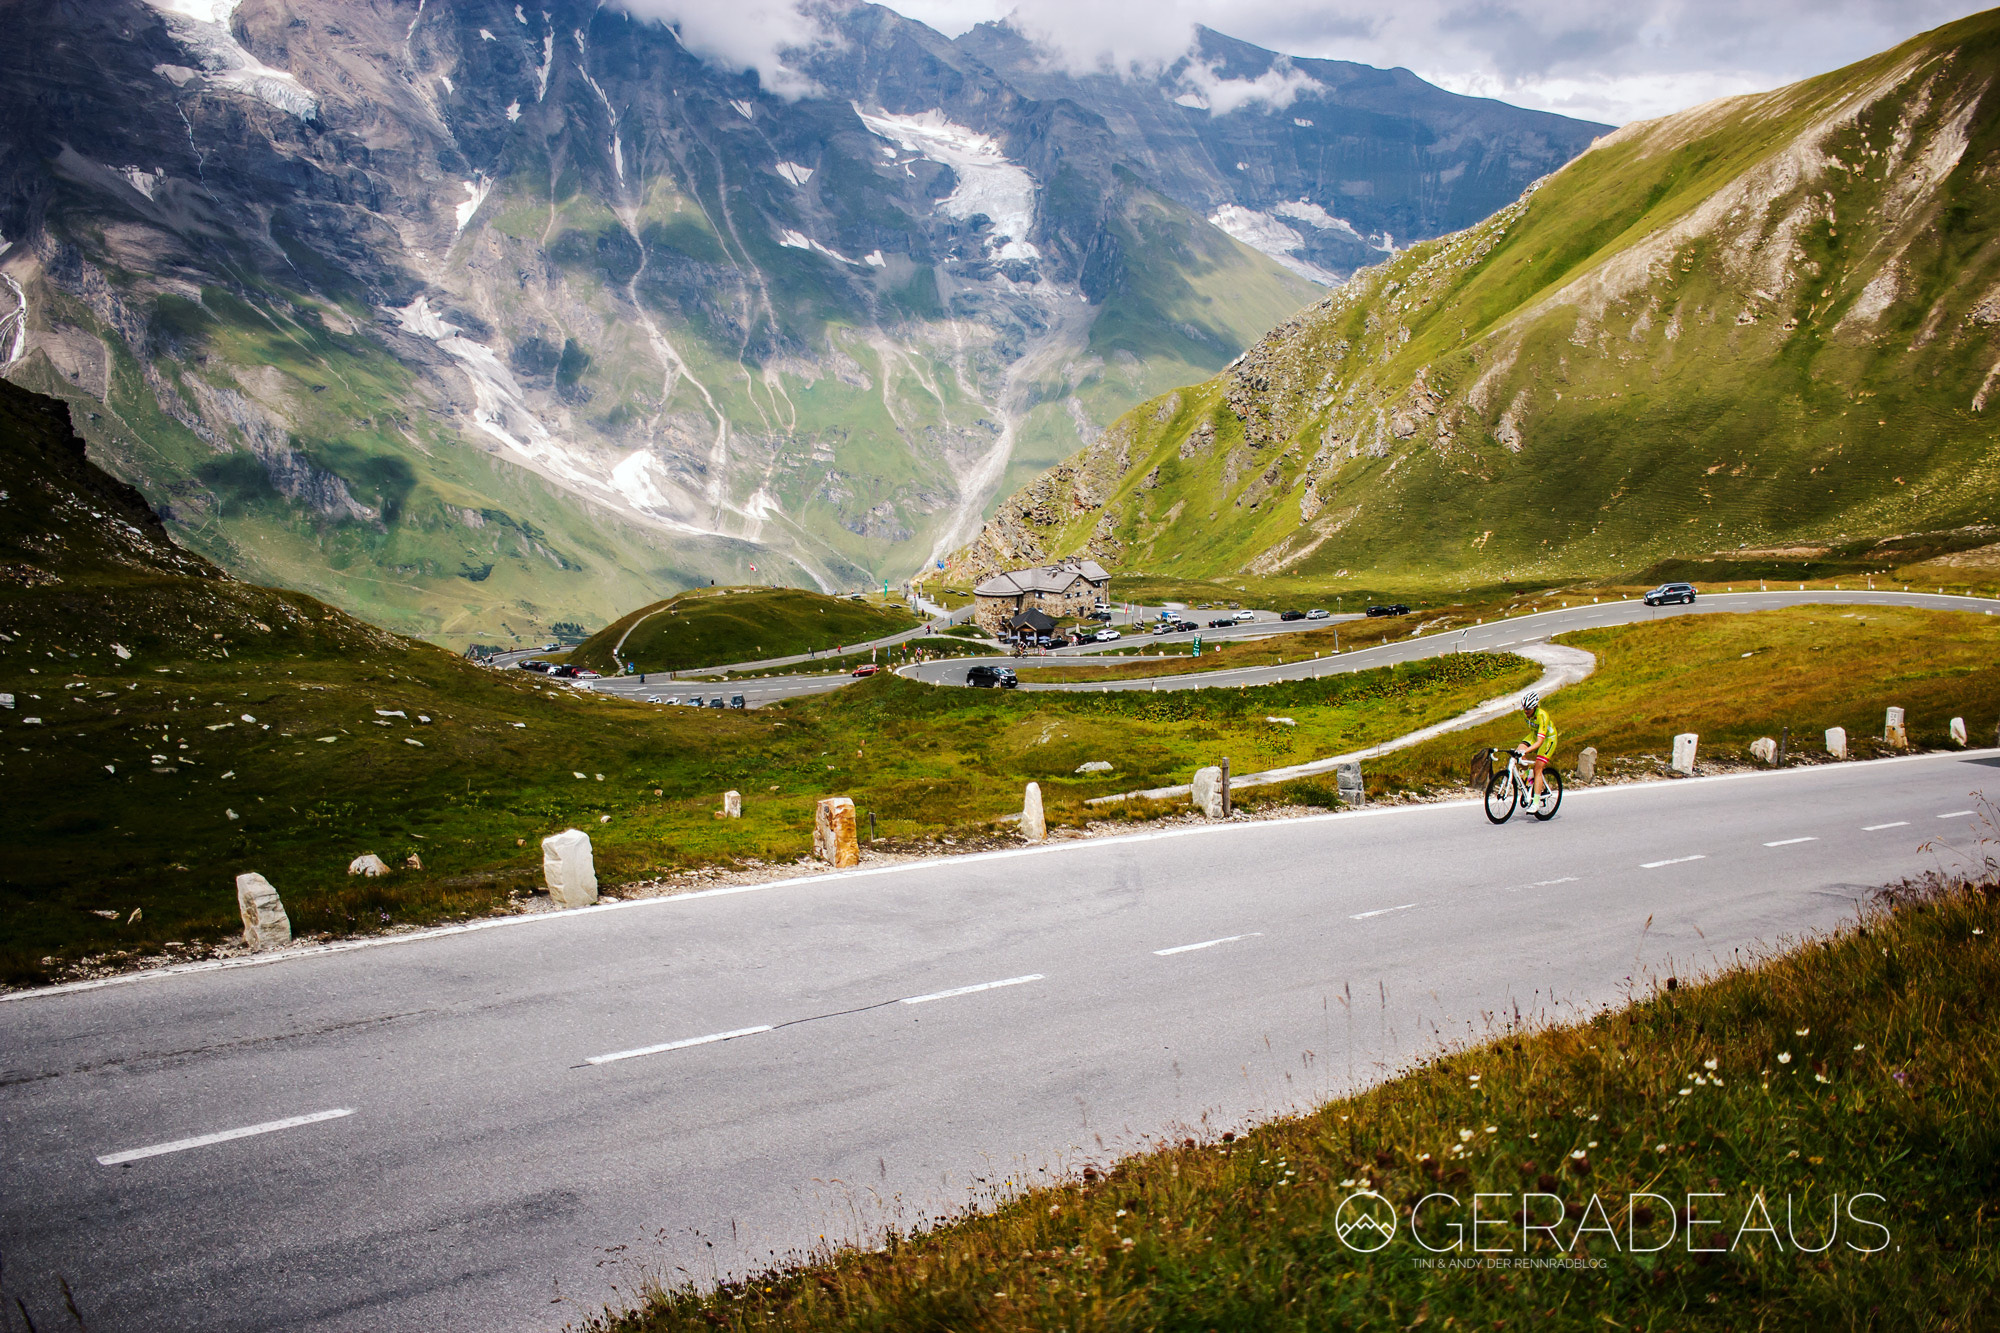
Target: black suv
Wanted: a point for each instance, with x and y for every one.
(1224, 623)
(1669, 593)
(1396, 609)
(991, 677)
(1291, 615)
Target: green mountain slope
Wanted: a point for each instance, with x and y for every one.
(713, 626)
(1755, 335)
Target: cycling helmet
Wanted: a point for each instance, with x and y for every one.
(1530, 702)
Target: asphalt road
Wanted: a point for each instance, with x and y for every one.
(910, 1036)
(1496, 636)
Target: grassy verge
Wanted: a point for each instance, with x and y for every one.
(1853, 1078)
(1733, 678)
(147, 787)
(712, 626)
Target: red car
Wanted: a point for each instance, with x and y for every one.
(866, 669)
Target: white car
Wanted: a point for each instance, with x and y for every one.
(1108, 635)
(1244, 617)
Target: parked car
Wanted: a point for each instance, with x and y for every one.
(1100, 614)
(1164, 627)
(692, 701)
(585, 674)
(551, 647)
(1317, 613)
(716, 702)
(991, 677)
(543, 668)
(1394, 609)
(736, 701)
(1223, 623)
(1107, 636)
(866, 669)
(1669, 593)
(1291, 615)
(1244, 617)
(1186, 626)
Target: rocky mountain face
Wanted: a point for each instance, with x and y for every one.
(472, 317)
(1732, 342)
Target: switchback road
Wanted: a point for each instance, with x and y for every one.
(500, 1127)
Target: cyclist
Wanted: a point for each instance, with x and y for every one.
(1542, 746)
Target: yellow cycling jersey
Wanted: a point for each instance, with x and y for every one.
(1546, 735)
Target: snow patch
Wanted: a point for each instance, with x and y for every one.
(14, 324)
(548, 63)
(519, 17)
(514, 109)
(743, 109)
(1268, 236)
(988, 183)
(1192, 101)
(445, 79)
(874, 259)
(633, 478)
(476, 191)
(145, 182)
(798, 240)
(486, 36)
(793, 172)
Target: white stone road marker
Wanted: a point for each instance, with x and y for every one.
(222, 1136)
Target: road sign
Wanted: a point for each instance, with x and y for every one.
(1197, 645)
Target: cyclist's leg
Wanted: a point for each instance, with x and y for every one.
(1541, 783)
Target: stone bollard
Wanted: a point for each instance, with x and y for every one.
(732, 805)
(1836, 742)
(265, 925)
(1208, 791)
(1764, 750)
(1684, 748)
(834, 838)
(367, 864)
(1347, 777)
(567, 867)
(1958, 731)
(1893, 730)
(1034, 825)
(1586, 764)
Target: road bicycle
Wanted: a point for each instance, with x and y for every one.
(1514, 785)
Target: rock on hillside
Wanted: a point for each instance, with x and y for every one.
(1746, 335)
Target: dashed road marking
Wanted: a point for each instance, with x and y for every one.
(1381, 911)
(1672, 861)
(972, 990)
(1786, 842)
(1205, 944)
(676, 1045)
(1872, 828)
(1954, 814)
(222, 1136)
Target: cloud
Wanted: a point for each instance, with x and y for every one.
(744, 36)
(1275, 89)
(1613, 60)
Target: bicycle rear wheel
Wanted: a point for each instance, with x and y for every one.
(1555, 781)
(1501, 796)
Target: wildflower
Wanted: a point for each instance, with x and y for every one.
(1121, 1212)
(1821, 1078)
(1578, 1154)
(1900, 1076)
(1493, 1129)
(1126, 1243)
(1534, 1136)
(1708, 1064)
(1349, 1184)
(1977, 931)
(1591, 1144)
(1859, 1044)
(1686, 1091)
(1472, 1078)
(1659, 1147)
(1593, 1117)
(1800, 1032)
(1464, 1135)
(1784, 1057)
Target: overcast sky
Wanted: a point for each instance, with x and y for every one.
(1611, 60)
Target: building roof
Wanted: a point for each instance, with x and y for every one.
(1042, 578)
(1030, 619)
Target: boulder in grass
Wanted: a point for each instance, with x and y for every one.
(265, 924)
(1094, 766)
(1764, 750)
(834, 838)
(367, 864)
(568, 869)
(413, 862)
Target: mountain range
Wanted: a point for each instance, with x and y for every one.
(1755, 339)
(474, 317)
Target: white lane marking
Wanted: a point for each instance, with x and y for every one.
(1786, 842)
(1954, 814)
(222, 1136)
(1381, 911)
(676, 1045)
(1544, 883)
(1871, 828)
(1672, 861)
(972, 990)
(1205, 944)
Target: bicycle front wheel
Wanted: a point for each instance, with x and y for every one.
(1553, 802)
(1501, 797)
